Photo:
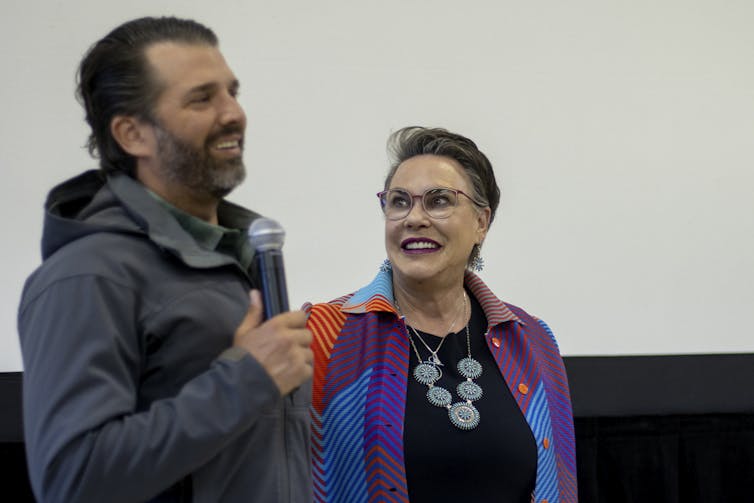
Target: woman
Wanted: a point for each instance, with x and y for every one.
(426, 386)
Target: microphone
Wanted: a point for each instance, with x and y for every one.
(266, 236)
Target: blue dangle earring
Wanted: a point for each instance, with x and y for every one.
(477, 262)
(386, 266)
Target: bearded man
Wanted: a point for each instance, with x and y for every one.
(149, 373)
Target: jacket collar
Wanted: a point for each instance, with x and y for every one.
(378, 296)
(165, 230)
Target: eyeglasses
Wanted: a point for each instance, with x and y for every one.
(438, 202)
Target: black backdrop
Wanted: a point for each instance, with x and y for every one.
(663, 429)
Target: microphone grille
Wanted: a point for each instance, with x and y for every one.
(266, 234)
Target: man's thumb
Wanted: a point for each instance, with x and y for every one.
(256, 305)
(255, 314)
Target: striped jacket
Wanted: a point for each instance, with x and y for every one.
(359, 391)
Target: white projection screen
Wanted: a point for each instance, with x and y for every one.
(622, 135)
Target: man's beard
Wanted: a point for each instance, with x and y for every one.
(195, 168)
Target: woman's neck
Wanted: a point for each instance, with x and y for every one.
(436, 311)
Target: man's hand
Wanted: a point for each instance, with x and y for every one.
(280, 344)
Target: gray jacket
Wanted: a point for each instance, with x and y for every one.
(129, 392)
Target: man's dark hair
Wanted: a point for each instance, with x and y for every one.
(115, 78)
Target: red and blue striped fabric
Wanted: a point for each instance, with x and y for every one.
(359, 390)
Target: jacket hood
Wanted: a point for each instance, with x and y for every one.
(93, 203)
(79, 207)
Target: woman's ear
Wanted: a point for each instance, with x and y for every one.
(133, 135)
(483, 222)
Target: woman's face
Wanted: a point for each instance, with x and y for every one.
(424, 250)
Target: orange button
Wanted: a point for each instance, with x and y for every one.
(546, 443)
(523, 388)
(496, 342)
(544, 501)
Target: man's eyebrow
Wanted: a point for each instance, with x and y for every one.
(211, 86)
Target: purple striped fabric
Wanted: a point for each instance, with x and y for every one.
(359, 393)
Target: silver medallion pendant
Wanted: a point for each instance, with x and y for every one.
(427, 373)
(469, 390)
(439, 396)
(469, 368)
(463, 415)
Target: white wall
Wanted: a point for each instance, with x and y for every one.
(622, 134)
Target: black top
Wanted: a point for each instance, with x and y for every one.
(497, 460)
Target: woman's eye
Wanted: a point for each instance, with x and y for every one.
(440, 200)
(398, 202)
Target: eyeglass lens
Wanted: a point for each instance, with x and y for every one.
(438, 203)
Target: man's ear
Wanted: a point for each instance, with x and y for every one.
(133, 135)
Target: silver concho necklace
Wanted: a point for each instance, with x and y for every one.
(462, 414)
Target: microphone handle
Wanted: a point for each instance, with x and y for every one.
(272, 274)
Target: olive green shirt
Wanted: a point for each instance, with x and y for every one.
(226, 240)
